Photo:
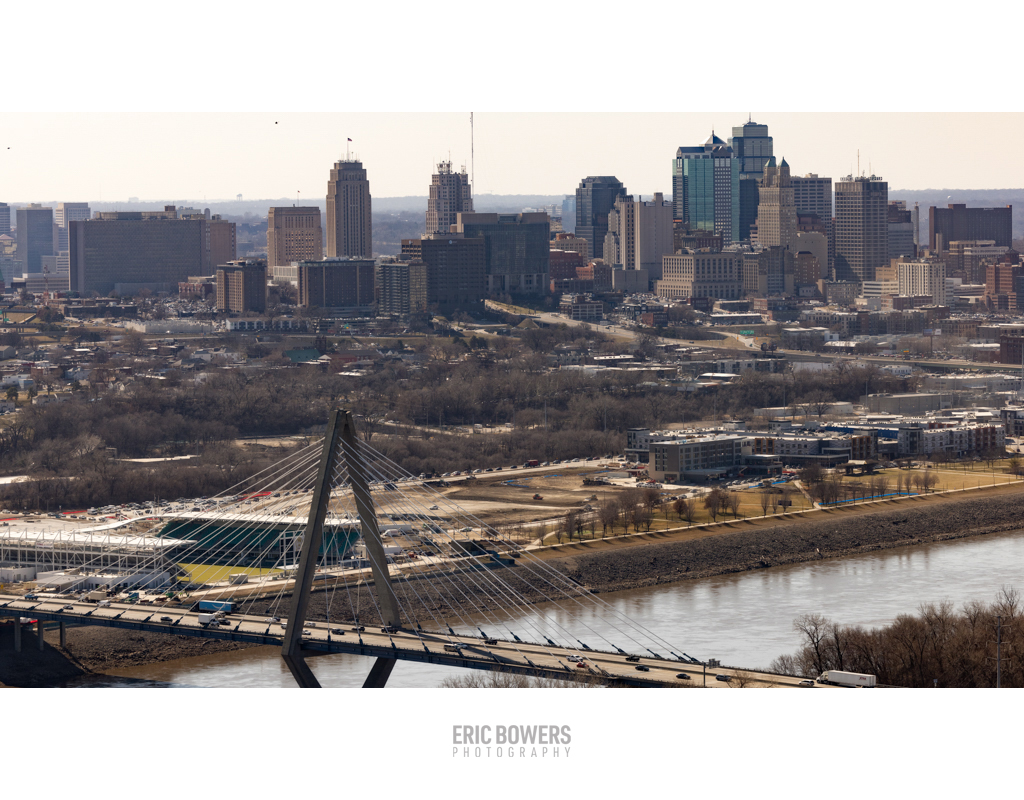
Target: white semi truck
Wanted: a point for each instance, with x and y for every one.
(837, 678)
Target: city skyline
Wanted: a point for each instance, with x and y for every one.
(211, 156)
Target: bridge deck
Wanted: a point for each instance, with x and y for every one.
(321, 638)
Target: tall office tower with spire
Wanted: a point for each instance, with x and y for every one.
(595, 198)
(862, 227)
(752, 147)
(706, 189)
(450, 195)
(349, 227)
(776, 210)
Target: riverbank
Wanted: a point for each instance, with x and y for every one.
(601, 565)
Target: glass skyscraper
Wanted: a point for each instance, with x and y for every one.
(706, 189)
(595, 198)
(753, 147)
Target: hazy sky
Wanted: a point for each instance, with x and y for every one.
(113, 156)
(124, 99)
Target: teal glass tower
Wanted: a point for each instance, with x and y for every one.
(706, 189)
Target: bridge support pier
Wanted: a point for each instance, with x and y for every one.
(340, 447)
(17, 633)
(39, 634)
(63, 634)
(379, 673)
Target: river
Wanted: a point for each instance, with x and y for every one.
(744, 620)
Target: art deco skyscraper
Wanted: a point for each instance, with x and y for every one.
(450, 195)
(776, 209)
(349, 227)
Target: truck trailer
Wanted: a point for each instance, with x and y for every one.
(217, 605)
(836, 678)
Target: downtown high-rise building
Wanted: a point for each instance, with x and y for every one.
(706, 189)
(517, 250)
(35, 237)
(242, 286)
(639, 234)
(5, 219)
(813, 195)
(776, 211)
(752, 147)
(595, 198)
(450, 195)
(294, 233)
(349, 221)
(65, 213)
(957, 222)
(900, 221)
(861, 227)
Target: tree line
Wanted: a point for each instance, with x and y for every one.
(938, 646)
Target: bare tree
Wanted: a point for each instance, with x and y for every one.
(814, 627)
(786, 498)
(608, 513)
(734, 501)
(714, 502)
(765, 498)
(689, 511)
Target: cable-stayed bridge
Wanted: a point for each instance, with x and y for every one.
(312, 555)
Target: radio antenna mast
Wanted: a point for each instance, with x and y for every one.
(472, 158)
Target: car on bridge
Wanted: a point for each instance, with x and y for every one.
(683, 676)
(642, 668)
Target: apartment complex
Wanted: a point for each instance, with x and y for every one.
(242, 286)
(639, 234)
(340, 284)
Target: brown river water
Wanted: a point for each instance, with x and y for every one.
(744, 620)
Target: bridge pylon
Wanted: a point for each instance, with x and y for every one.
(340, 449)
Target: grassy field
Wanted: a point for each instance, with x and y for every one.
(951, 478)
(210, 573)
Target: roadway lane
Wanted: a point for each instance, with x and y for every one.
(465, 651)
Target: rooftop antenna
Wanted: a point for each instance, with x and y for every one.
(858, 163)
(472, 158)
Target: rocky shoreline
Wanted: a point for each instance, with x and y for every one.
(99, 650)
